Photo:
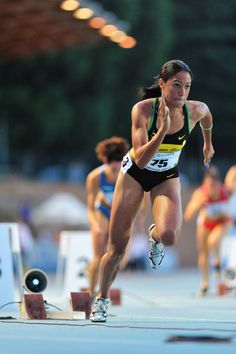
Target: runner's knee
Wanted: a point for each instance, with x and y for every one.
(116, 253)
(169, 237)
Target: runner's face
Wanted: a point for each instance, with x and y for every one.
(212, 187)
(176, 89)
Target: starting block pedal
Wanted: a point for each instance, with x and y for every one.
(115, 296)
(81, 301)
(222, 289)
(33, 305)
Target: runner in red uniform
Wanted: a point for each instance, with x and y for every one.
(213, 223)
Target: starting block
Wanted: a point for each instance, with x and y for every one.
(115, 296)
(228, 285)
(81, 301)
(222, 289)
(34, 307)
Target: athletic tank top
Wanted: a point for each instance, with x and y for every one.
(167, 156)
(106, 187)
(215, 208)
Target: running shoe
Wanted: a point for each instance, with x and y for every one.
(202, 291)
(156, 250)
(99, 310)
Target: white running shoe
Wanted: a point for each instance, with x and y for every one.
(156, 250)
(99, 310)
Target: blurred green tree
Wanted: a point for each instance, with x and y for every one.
(205, 38)
(59, 105)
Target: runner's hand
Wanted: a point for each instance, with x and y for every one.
(208, 152)
(163, 115)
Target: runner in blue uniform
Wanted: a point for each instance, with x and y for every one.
(100, 184)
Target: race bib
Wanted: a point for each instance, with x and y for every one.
(163, 162)
(126, 163)
(217, 209)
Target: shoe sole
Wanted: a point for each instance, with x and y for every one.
(97, 320)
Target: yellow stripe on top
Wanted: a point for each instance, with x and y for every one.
(171, 147)
(165, 148)
(132, 154)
